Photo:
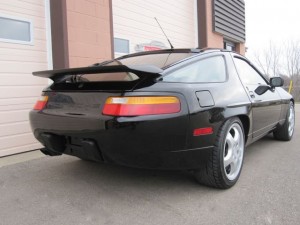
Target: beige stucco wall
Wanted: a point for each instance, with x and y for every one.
(214, 40)
(89, 31)
(19, 90)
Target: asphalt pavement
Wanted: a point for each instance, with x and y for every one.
(65, 190)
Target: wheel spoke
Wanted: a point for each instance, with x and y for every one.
(229, 140)
(229, 158)
(233, 168)
(236, 137)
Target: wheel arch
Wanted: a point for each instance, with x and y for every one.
(246, 125)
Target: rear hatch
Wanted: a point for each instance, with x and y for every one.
(107, 106)
(82, 92)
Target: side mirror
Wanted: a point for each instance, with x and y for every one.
(276, 82)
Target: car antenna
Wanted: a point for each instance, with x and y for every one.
(172, 47)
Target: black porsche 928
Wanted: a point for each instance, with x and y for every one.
(183, 109)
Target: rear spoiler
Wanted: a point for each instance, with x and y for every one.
(140, 70)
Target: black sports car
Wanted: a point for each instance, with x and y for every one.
(183, 109)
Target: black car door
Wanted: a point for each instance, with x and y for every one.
(266, 108)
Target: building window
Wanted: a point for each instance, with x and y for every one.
(121, 45)
(15, 30)
(228, 45)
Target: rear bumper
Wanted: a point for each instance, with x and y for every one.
(89, 149)
(136, 142)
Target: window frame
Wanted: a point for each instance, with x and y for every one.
(252, 66)
(195, 60)
(31, 31)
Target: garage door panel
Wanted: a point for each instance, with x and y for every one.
(34, 2)
(40, 57)
(38, 46)
(18, 101)
(39, 34)
(14, 128)
(144, 34)
(135, 22)
(16, 140)
(6, 108)
(19, 89)
(14, 6)
(21, 80)
(18, 149)
(35, 8)
(179, 7)
(22, 67)
(22, 91)
(147, 15)
(7, 117)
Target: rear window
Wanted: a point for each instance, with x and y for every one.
(207, 70)
(102, 77)
(160, 60)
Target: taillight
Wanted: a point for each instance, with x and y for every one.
(41, 103)
(141, 105)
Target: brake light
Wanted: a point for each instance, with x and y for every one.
(41, 103)
(138, 106)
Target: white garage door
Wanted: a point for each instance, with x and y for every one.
(23, 49)
(135, 27)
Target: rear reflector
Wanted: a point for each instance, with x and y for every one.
(139, 106)
(41, 103)
(203, 131)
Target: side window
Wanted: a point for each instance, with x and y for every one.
(247, 74)
(211, 69)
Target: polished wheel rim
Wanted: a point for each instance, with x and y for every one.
(233, 151)
(291, 120)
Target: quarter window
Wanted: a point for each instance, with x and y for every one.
(247, 74)
(211, 69)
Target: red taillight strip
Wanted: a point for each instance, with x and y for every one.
(41, 103)
(138, 106)
(203, 131)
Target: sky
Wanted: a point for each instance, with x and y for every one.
(271, 20)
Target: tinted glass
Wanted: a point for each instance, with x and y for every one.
(207, 70)
(98, 77)
(160, 60)
(14, 29)
(247, 74)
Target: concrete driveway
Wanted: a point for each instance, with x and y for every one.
(66, 190)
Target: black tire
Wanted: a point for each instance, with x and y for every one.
(283, 132)
(214, 173)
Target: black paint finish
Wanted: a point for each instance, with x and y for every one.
(73, 118)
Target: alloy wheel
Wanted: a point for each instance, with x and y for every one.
(291, 120)
(233, 151)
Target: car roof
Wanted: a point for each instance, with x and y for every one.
(175, 50)
(166, 61)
